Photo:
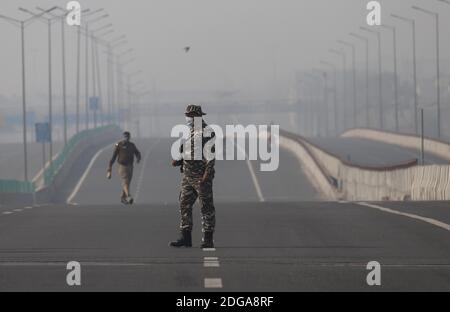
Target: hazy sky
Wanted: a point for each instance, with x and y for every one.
(235, 44)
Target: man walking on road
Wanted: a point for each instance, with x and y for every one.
(124, 152)
(197, 181)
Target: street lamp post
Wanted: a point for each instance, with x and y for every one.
(100, 92)
(307, 90)
(325, 103)
(394, 37)
(352, 46)
(87, 35)
(131, 85)
(111, 46)
(109, 84)
(97, 62)
(310, 104)
(63, 58)
(380, 80)
(22, 24)
(77, 88)
(138, 99)
(123, 90)
(94, 84)
(64, 87)
(86, 78)
(315, 124)
(96, 69)
(120, 80)
(50, 80)
(366, 41)
(412, 22)
(344, 74)
(324, 120)
(24, 110)
(438, 76)
(78, 82)
(333, 67)
(131, 100)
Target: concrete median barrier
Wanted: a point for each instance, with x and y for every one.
(316, 173)
(403, 181)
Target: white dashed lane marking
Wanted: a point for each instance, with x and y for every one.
(213, 283)
(211, 262)
(18, 210)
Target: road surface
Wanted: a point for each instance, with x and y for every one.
(286, 239)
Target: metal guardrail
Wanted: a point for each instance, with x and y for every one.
(14, 186)
(28, 187)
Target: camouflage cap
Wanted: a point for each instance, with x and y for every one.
(194, 110)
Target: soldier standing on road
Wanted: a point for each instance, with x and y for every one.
(124, 152)
(197, 182)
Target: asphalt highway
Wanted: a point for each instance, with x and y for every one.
(274, 233)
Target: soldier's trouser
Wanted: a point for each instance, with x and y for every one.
(191, 189)
(125, 174)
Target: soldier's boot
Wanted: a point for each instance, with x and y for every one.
(207, 241)
(185, 240)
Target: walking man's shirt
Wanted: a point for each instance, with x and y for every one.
(124, 153)
(197, 183)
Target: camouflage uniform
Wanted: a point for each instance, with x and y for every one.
(192, 188)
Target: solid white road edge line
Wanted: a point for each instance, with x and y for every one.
(85, 174)
(252, 174)
(250, 168)
(434, 222)
(41, 171)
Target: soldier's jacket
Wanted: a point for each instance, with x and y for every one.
(196, 168)
(124, 152)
